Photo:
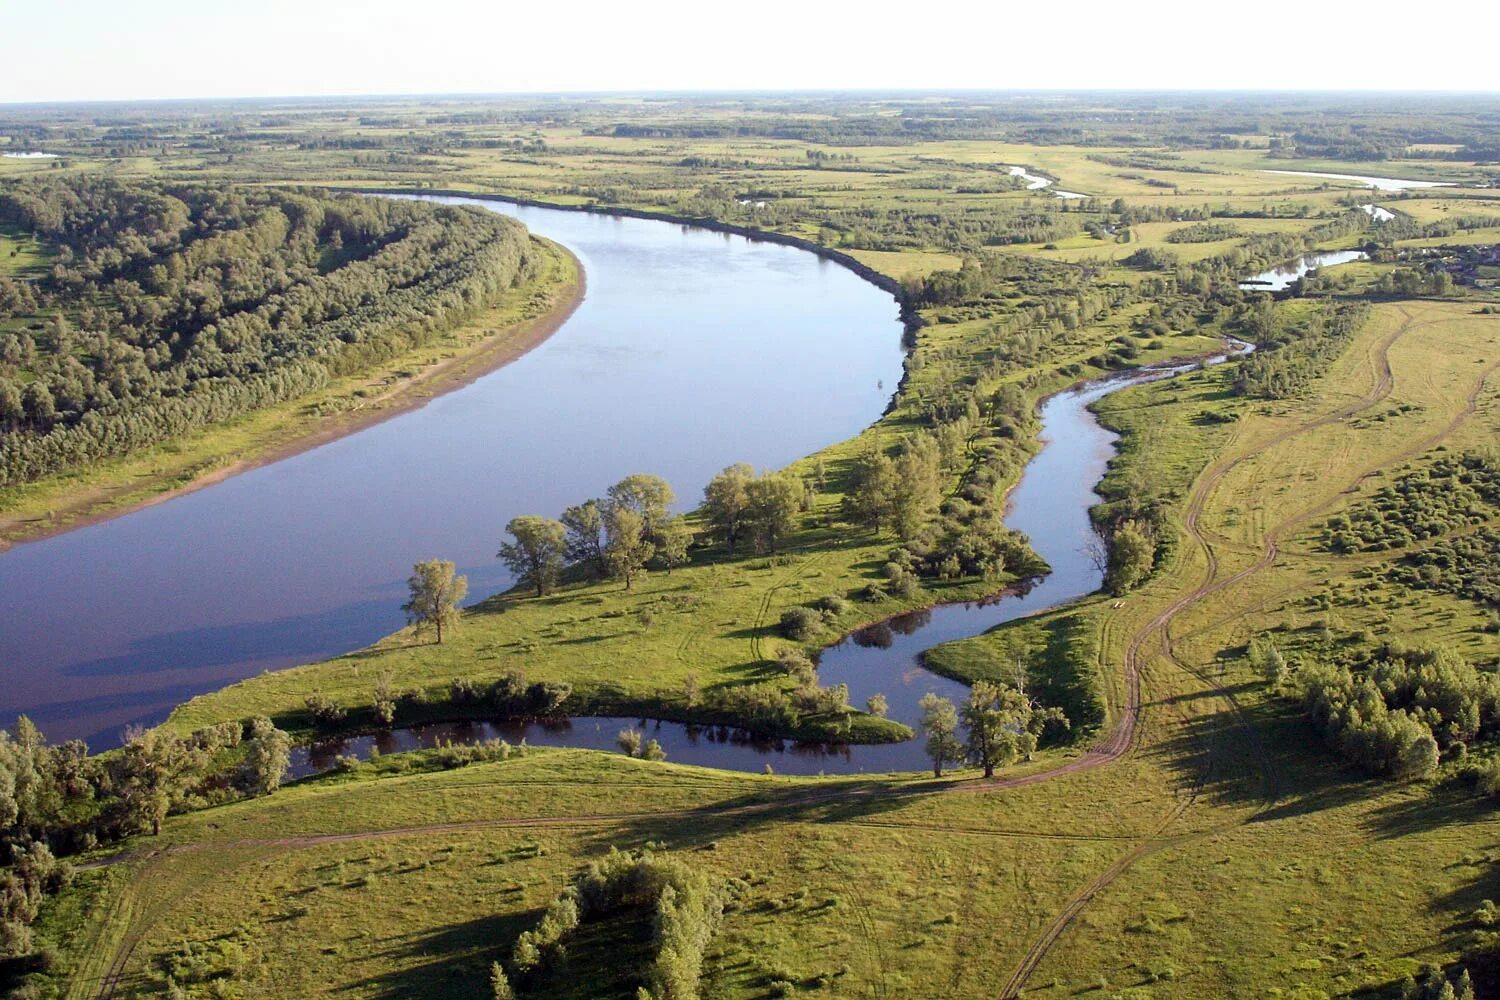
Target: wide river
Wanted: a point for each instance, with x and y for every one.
(692, 350)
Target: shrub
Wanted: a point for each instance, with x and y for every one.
(796, 664)
(325, 712)
(833, 604)
(800, 624)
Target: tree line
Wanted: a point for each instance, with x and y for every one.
(169, 307)
(56, 800)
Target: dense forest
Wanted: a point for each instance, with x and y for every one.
(169, 307)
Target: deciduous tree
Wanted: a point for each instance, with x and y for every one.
(538, 552)
(435, 595)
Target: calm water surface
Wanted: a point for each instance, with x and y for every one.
(1280, 278)
(1050, 504)
(1378, 183)
(693, 350)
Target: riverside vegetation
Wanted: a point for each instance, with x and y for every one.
(1297, 545)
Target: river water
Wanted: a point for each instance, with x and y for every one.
(1378, 183)
(1050, 504)
(692, 350)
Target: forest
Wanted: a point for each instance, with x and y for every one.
(166, 308)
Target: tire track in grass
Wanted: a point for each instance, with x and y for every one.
(1123, 737)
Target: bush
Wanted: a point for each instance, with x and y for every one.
(833, 604)
(800, 624)
(797, 664)
(325, 712)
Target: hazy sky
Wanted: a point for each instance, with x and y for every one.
(130, 49)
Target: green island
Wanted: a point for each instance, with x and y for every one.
(1262, 760)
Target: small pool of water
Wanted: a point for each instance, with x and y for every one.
(1280, 278)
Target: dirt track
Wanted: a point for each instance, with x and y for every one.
(1114, 744)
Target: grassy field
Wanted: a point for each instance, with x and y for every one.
(1227, 853)
(1237, 856)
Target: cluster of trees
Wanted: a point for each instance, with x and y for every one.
(1001, 724)
(57, 800)
(1205, 232)
(1436, 985)
(1407, 282)
(171, 307)
(1448, 493)
(511, 695)
(1396, 713)
(1293, 349)
(742, 508)
(683, 906)
(612, 538)
(1468, 566)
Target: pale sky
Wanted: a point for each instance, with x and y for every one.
(65, 50)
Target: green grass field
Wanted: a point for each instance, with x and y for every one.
(1227, 853)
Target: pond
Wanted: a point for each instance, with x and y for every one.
(1281, 277)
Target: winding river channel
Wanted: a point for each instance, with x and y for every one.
(692, 350)
(1050, 504)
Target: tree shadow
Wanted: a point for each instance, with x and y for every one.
(450, 961)
(700, 828)
(1425, 809)
(1266, 754)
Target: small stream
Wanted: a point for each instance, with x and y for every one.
(1035, 182)
(1050, 504)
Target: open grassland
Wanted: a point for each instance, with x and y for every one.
(1229, 854)
(1285, 860)
(1226, 852)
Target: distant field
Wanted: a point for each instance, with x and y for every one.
(1229, 852)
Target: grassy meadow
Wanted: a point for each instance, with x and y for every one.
(1227, 853)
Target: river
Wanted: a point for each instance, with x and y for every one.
(1050, 504)
(692, 350)
(1378, 183)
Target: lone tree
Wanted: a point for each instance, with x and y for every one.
(536, 556)
(999, 721)
(268, 756)
(1132, 553)
(940, 723)
(435, 593)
